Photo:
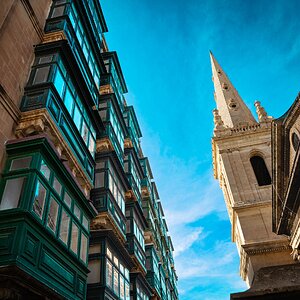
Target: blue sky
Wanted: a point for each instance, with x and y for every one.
(163, 47)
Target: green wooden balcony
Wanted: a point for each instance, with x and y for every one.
(44, 219)
(109, 264)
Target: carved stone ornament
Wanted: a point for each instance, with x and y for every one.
(106, 89)
(39, 121)
(128, 143)
(261, 112)
(54, 36)
(104, 145)
(219, 124)
(104, 221)
(145, 192)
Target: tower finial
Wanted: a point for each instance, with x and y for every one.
(231, 107)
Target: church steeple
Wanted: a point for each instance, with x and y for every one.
(232, 109)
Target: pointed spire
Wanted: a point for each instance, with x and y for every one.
(230, 105)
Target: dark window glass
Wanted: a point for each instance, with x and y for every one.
(58, 11)
(295, 141)
(41, 75)
(260, 170)
(52, 215)
(39, 200)
(20, 163)
(12, 193)
(64, 227)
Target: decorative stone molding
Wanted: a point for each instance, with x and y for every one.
(106, 89)
(9, 105)
(130, 196)
(104, 145)
(261, 113)
(128, 143)
(54, 37)
(105, 221)
(145, 192)
(39, 121)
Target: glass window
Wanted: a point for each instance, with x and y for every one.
(67, 199)
(109, 254)
(77, 117)
(85, 222)
(20, 163)
(64, 227)
(69, 101)
(74, 238)
(109, 274)
(122, 287)
(83, 251)
(52, 215)
(116, 281)
(94, 275)
(12, 193)
(59, 82)
(45, 59)
(84, 132)
(39, 200)
(45, 170)
(77, 211)
(41, 75)
(57, 186)
(58, 11)
(99, 180)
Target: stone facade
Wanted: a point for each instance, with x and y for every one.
(241, 157)
(21, 27)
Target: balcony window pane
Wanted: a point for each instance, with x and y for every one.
(74, 238)
(67, 199)
(109, 254)
(122, 286)
(69, 101)
(92, 145)
(20, 163)
(99, 180)
(12, 193)
(77, 211)
(116, 281)
(83, 250)
(94, 275)
(84, 132)
(127, 291)
(85, 222)
(45, 170)
(57, 186)
(64, 227)
(77, 117)
(59, 82)
(109, 269)
(52, 215)
(39, 200)
(45, 59)
(41, 75)
(58, 11)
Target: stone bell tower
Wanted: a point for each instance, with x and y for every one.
(242, 163)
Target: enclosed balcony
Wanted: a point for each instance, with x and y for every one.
(44, 220)
(115, 128)
(109, 264)
(135, 226)
(53, 99)
(134, 131)
(134, 174)
(108, 195)
(81, 23)
(113, 81)
(139, 287)
(146, 181)
(153, 265)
